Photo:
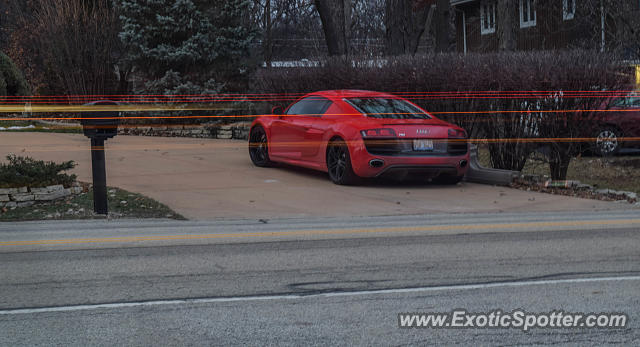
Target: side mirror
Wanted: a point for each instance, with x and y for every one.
(279, 110)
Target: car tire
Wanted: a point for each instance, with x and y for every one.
(448, 179)
(339, 163)
(259, 147)
(607, 141)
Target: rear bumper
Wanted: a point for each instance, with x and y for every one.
(428, 165)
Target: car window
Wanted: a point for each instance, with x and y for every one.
(387, 108)
(619, 102)
(311, 106)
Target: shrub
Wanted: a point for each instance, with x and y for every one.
(27, 172)
(422, 78)
(12, 82)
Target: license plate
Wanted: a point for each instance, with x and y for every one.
(423, 145)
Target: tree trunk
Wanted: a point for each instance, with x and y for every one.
(506, 13)
(559, 163)
(268, 43)
(406, 22)
(336, 23)
(442, 25)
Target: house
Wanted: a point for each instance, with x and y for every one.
(540, 24)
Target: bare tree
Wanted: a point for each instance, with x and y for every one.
(405, 23)
(443, 13)
(70, 47)
(336, 23)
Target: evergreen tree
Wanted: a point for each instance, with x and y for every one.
(12, 82)
(186, 46)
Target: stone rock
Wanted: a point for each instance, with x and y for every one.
(55, 188)
(76, 190)
(22, 197)
(11, 204)
(23, 190)
(4, 191)
(39, 190)
(26, 203)
(53, 195)
(4, 198)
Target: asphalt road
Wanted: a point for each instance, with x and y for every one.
(314, 281)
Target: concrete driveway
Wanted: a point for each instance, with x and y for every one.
(210, 179)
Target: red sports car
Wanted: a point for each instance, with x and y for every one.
(356, 133)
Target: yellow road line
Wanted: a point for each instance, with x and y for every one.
(325, 232)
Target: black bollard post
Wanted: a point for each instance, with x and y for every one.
(99, 176)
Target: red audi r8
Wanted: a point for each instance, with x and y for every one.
(356, 133)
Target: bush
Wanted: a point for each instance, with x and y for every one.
(27, 172)
(422, 79)
(12, 82)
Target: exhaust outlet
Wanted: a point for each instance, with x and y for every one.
(376, 163)
(463, 163)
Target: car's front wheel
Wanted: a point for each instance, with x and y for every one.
(339, 163)
(608, 141)
(258, 147)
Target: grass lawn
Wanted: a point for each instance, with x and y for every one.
(620, 172)
(122, 204)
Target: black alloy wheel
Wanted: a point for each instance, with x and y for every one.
(339, 163)
(258, 147)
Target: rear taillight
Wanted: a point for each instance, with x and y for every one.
(457, 134)
(378, 133)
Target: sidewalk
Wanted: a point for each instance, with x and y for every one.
(209, 179)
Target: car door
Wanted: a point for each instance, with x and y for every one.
(626, 115)
(632, 117)
(291, 131)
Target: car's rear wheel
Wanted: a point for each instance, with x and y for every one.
(608, 141)
(258, 147)
(339, 163)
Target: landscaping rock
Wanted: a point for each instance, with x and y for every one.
(52, 196)
(4, 198)
(26, 204)
(4, 191)
(55, 188)
(11, 204)
(22, 197)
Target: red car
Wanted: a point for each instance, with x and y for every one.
(356, 133)
(620, 126)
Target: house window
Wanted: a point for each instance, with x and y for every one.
(568, 9)
(527, 13)
(488, 17)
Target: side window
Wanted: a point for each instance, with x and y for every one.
(619, 102)
(310, 106)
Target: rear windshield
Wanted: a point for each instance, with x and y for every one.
(387, 108)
